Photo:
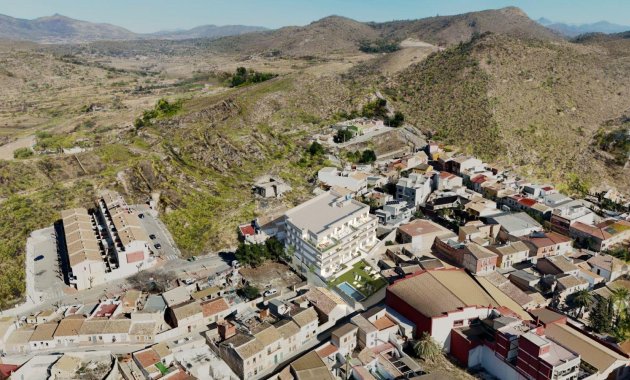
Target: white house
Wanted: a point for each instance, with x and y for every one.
(414, 190)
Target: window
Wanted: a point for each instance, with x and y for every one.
(458, 323)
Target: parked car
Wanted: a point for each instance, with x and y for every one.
(152, 237)
(140, 216)
(158, 246)
(193, 258)
(40, 257)
(270, 292)
(236, 264)
(189, 281)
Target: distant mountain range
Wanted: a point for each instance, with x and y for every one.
(62, 29)
(573, 30)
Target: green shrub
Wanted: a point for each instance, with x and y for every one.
(375, 109)
(22, 153)
(242, 76)
(379, 46)
(250, 292)
(163, 109)
(343, 135)
(316, 149)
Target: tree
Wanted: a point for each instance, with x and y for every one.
(250, 292)
(619, 298)
(577, 185)
(582, 299)
(397, 120)
(316, 149)
(427, 348)
(375, 109)
(275, 249)
(600, 318)
(343, 135)
(368, 156)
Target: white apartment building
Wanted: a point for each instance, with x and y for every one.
(86, 258)
(125, 235)
(104, 245)
(328, 231)
(414, 190)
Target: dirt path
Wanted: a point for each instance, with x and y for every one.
(6, 150)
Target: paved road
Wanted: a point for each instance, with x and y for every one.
(153, 226)
(202, 267)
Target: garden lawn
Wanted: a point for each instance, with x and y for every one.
(366, 279)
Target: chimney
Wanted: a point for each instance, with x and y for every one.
(264, 313)
(226, 330)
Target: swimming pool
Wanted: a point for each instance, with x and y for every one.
(351, 291)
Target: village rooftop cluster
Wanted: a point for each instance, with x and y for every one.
(421, 245)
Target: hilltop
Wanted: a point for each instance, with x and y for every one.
(340, 35)
(447, 30)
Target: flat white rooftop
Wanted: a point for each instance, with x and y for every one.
(323, 211)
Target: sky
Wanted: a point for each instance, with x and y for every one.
(144, 16)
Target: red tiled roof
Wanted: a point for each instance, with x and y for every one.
(247, 230)
(105, 310)
(134, 257)
(446, 175)
(179, 375)
(480, 178)
(214, 306)
(547, 188)
(527, 202)
(550, 238)
(591, 230)
(383, 323)
(326, 351)
(147, 357)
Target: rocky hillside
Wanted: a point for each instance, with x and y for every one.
(446, 30)
(340, 35)
(529, 104)
(328, 36)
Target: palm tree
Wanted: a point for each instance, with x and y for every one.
(620, 299)
(427, 348)
(582, 298)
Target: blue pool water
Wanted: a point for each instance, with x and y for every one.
(351, 291)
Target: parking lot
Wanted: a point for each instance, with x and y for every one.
(154, 227)
(43, 266)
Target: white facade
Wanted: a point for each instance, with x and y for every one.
(414, 190)
(441, 326)
(488, 360)
(329, 231)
